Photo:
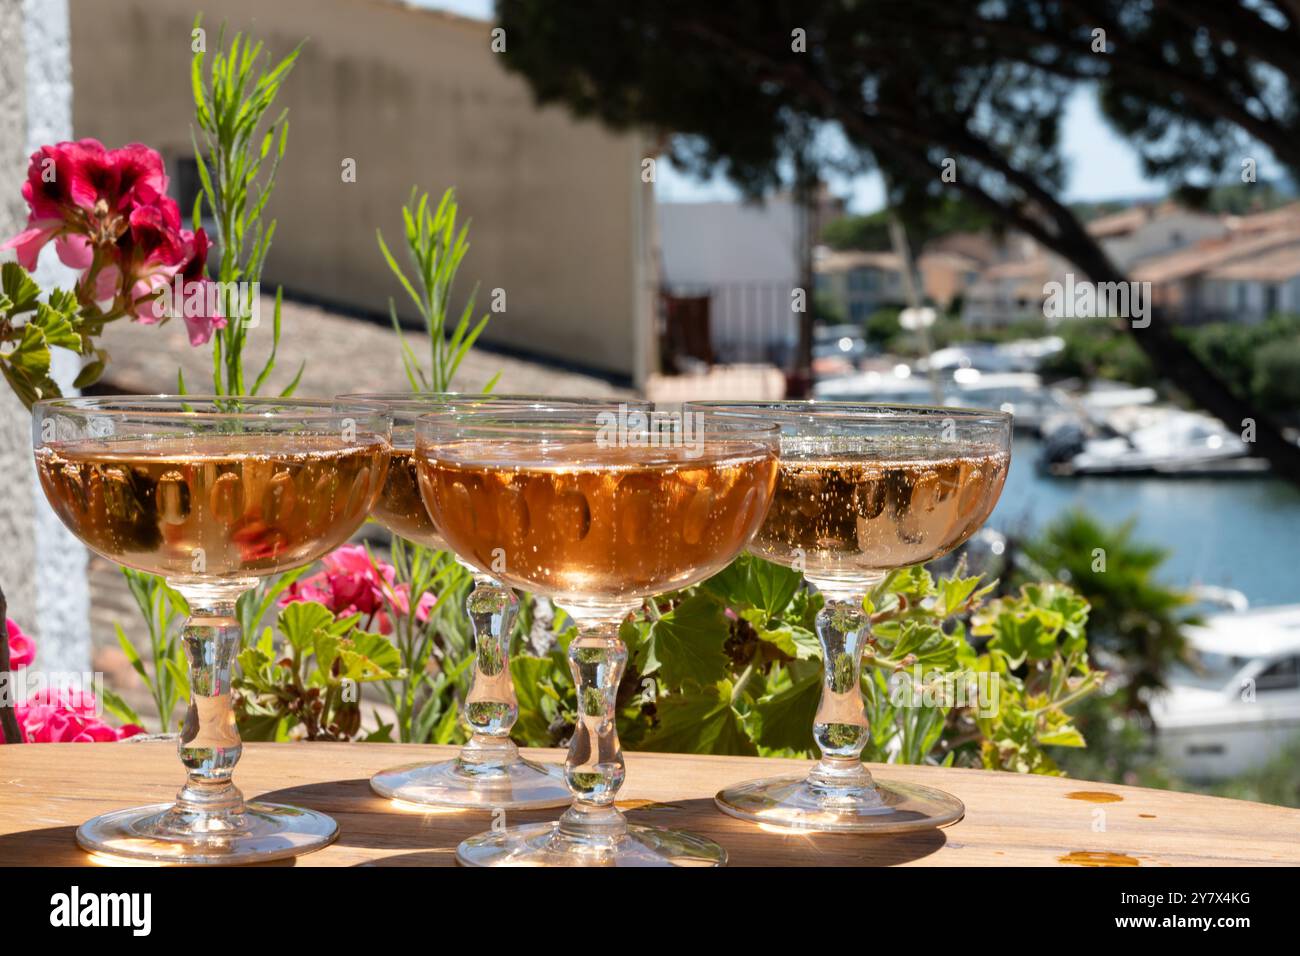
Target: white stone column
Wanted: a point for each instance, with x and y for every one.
(42, 567)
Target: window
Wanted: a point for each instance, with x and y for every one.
(862, 280)
(1281, 675)
(185, 184)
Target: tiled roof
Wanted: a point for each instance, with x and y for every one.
(1258, 222)
(1279, 265)
(1118, 223)
(1212, 254)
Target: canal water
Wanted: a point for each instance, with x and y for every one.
(1242, 533)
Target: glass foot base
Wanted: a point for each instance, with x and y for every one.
(546, 844)
(883, 807)
(520, 785)
(261, 832)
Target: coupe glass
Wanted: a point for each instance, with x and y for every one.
(211, 493)
(863, 489)
(596, 512)
(489, 770)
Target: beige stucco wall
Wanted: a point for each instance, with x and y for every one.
(560, 215)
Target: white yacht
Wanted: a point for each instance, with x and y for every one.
(1152, 439)
(1240, 705)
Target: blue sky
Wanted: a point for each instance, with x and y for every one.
(1102, 166)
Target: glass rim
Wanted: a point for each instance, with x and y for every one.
(171, 407)
(391, 399)
(406, 408)
(863, 412)
(565, 424)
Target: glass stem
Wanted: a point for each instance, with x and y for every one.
(594, 767)
(209, 743)
(840, 727)
(491, 707)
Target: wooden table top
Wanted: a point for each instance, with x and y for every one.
(46, 790)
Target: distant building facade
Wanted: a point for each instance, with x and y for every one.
(1245, 278)
(746, 260)
(856, 284)
(1146, 231)
(1201, 267)
(562, 223)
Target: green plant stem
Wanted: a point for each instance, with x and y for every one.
(1090, 684)
(744, 678)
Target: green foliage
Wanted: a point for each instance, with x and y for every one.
(732, 666)
(437, 655)
(1134, 615)
(165, 673)
(311, 683)
(30, 327)
(436, 249)
(1096, 349)
(882, 328)
(1257, 361)
(238, 155)
(1275, 383)
(1037, 648)
(870, 232)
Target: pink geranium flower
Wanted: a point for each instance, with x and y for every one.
(53, 717)
(58, 715)
(201, 321)
(22, 650)
(354, 583)
(110, 218)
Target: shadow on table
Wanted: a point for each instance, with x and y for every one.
(49, 846)
(369, 821)
(57, 846)
(425, 836)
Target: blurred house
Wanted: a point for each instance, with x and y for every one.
(562, 224)
(1148, 230)
(855, 284)
(1244, 278)
(732, 269)
(1259, 223)
(1202, 267)
(947, 275)
(1010, 293)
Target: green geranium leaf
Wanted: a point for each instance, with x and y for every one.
(1028, 633)
(57, 327)
(300, 621)
(18, 287)
(701, 722)
(783, 720)
(1066, 736)
(791, 639)
(364, 656)
(32, 354)
(954, 593)
(685, 645)
(927, 641)
(914, 583)
(750, 582)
